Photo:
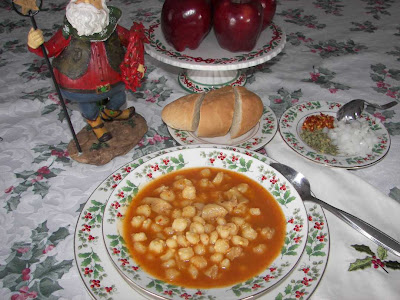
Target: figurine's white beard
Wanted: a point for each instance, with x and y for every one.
(86, 18)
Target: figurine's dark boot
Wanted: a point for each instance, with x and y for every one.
(119, 115)
(99, 129)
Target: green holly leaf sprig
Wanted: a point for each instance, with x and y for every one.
(376, 260)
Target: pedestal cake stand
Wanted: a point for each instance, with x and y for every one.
(209, 66)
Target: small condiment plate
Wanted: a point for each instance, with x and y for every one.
(284, 193)
(255, 139)
(293, 118)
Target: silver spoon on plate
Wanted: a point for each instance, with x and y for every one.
(353, 109)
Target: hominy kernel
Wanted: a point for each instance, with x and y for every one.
(189, 192)
(199, 249)
(225, 263)
(218, 178)
(197, 227)
(139, 247)
(167, 195)
(217, 257)
(176, 213)
(137, 221)
(157, 246)
(161, 220)
(179, 224)
(260, 249)
(169, 263)
(185, 253)
(171, 243)
(139, 237)
(243, 187)
(188, 212)
(239, 241)
(199, 261)
(255, 211)
(221, 246)
(204, 238)
(146, 224)
(172, 273)
(144, 210)
(192, 237)
(205, 172)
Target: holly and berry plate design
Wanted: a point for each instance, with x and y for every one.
(292, 120)
(209, 56)
(254, 139)
(285, 195)
(103, 280)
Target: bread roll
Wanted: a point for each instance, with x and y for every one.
(216, 112)
(248, 111)
(183, 113)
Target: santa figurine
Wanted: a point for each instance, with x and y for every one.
(88, 52)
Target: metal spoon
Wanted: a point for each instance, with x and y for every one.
(353, 109)
(302, 185)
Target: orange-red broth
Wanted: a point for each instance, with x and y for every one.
(239, 269)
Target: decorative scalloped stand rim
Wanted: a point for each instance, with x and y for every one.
(197, 81)
(212, 59)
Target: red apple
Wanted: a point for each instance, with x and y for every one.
(237, 24)
(185, 23)
(269, 7)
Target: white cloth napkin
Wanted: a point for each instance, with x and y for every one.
(345, 190)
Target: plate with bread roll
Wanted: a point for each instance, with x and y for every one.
(232, 116)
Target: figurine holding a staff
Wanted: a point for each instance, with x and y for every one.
(90, 62)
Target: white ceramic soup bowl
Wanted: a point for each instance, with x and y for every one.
(282, 191)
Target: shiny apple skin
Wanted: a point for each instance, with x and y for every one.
(185, 23)
(269, 7)
(237, 24)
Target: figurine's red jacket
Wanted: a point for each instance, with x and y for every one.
(99, 72)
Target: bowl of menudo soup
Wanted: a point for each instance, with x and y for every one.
(204, 223)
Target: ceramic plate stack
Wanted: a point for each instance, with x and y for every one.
(108, 271)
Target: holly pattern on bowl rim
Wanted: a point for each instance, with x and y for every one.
(299, 284)
(284, 193)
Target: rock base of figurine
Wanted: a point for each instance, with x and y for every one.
(126, 135)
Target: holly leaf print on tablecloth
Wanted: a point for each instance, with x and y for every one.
(332, 48)
(297, 38)
(395, 52)
(294, 16)
(367, 26)
(15, 46)
(146, 15)
(8, 25)
(50, 100)
(285, 99)
(387, 80)
(376, 8)
(393, 128)
(36, 180)
(30, 272)
(376, 260)
(323, 77)
(395, 194)
(333, 7)
(35, 70)
(154, 90)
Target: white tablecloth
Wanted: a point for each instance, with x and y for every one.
(335, 51)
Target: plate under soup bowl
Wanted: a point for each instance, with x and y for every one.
(197, 243)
